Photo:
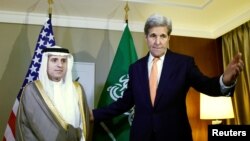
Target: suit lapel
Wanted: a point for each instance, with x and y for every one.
(166, 69)
(146, 81)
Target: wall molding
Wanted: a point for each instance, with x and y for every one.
(110, 24)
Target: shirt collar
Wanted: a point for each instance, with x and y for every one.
(151, 57)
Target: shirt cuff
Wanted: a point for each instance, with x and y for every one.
(225, 89)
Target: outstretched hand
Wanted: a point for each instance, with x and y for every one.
(233, 70)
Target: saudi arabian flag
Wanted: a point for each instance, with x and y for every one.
(118, 128)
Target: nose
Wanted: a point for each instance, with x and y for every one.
(59, 64)
(157, 40)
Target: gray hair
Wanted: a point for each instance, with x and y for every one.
(157, 20)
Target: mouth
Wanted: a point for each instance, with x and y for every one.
(58, 70)
(156, 48)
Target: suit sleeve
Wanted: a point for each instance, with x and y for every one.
(117, 107)
(23, 130)
(202, 83)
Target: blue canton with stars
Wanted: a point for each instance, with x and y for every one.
(45, 39)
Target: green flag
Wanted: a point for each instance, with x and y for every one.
(118, 128)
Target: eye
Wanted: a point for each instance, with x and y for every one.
(53, 59)
(163, 36)
(64, 60)
(152, 35)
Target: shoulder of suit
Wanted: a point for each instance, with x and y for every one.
(31, 83)
(179, 55)
(143, 59)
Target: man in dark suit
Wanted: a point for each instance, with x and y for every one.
(162, 115)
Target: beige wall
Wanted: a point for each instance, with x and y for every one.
(87, 45)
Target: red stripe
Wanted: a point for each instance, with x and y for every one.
(11, 122)
(4, 139)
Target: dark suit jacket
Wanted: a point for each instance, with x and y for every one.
(167, 119)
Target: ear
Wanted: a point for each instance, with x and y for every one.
(145, 37)
(168, 37)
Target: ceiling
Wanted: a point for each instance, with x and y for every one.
(194, 18)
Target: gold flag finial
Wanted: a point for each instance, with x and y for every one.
(126, 8)
(50, 7)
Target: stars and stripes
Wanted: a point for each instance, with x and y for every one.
(45, 39)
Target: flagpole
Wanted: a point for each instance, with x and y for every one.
(126, 8)
(50, 2)
(113, 89)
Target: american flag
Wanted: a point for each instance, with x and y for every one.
(45, 39)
